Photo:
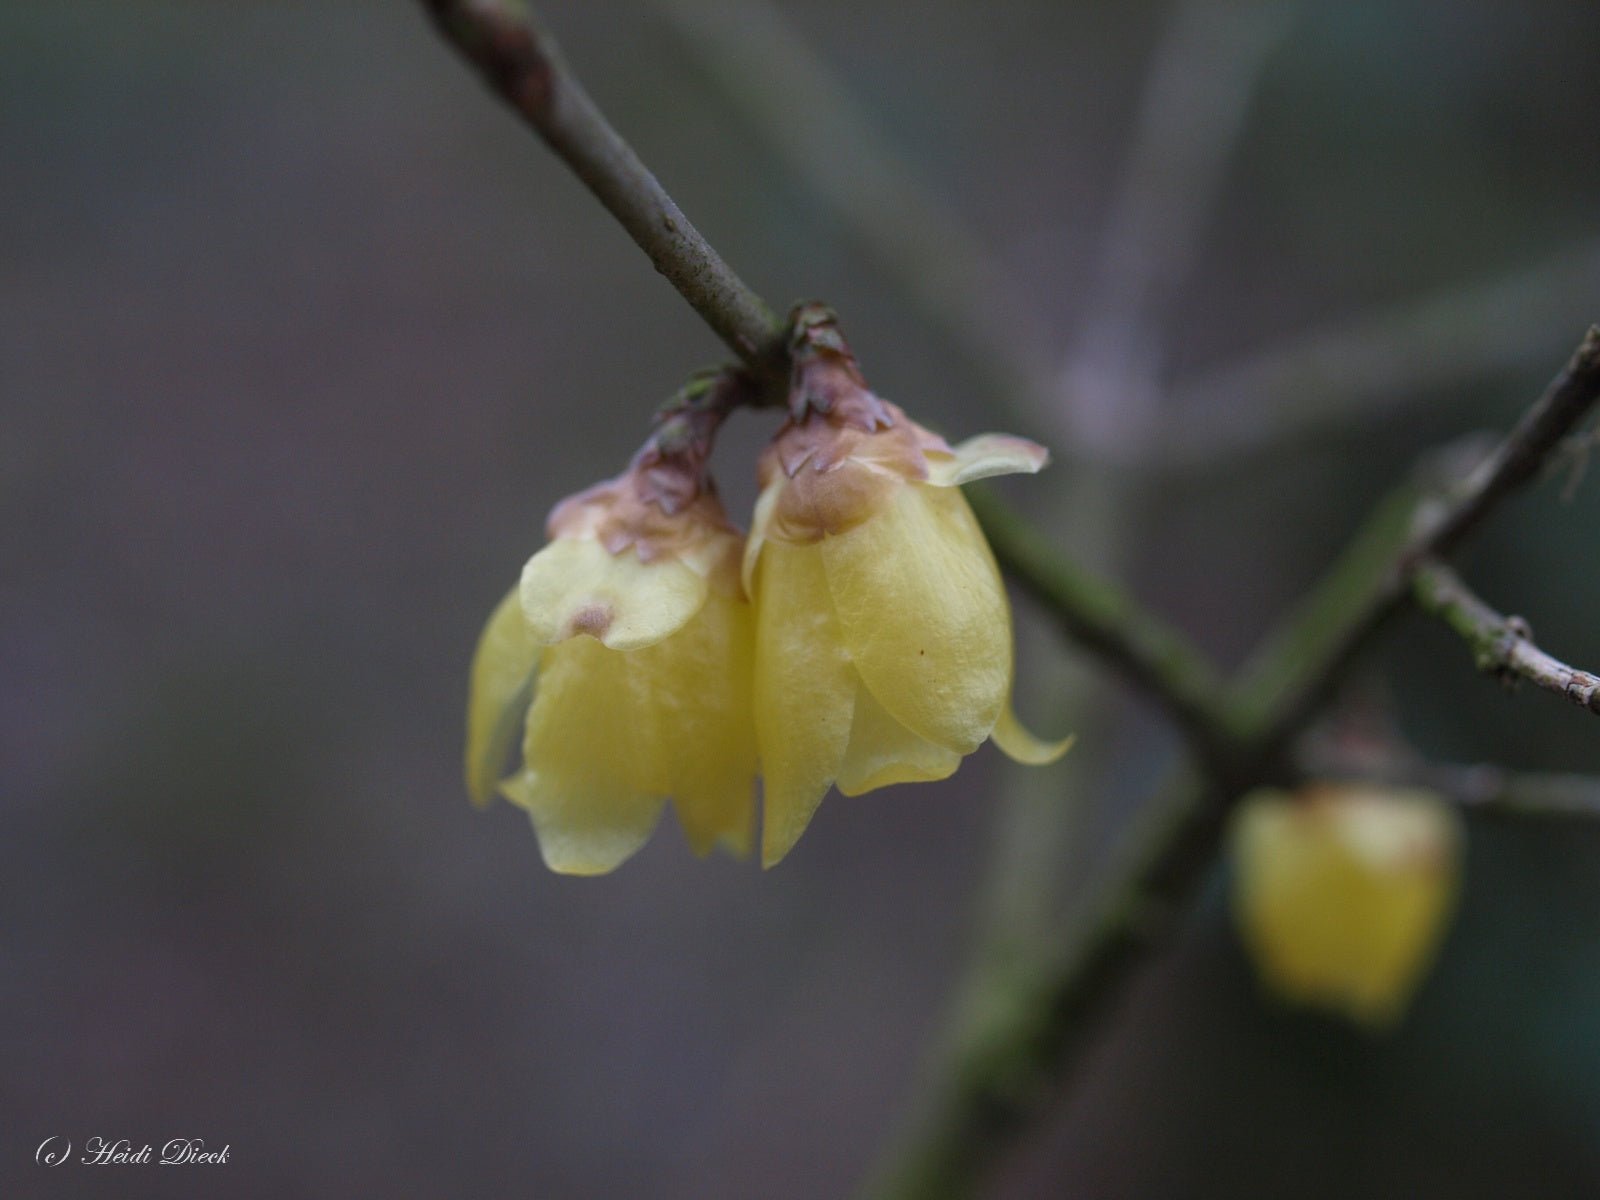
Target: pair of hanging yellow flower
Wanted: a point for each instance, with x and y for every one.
(859, 637)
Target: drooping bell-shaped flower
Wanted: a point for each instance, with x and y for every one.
(883, 633)
(632, 635)
(1343, 893)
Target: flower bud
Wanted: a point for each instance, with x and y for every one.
(1343, 892)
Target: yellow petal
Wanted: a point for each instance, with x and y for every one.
(1342, 895)
(1024, 747)
(925, 615)
(766, 504)
(594, 776)
(576, 586)
(983, 456)
(804, 691)
(702, 680)
(882, 751)
(501, 686)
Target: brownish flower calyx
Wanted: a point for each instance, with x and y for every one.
(824, 475)
(650, 509)
(844, 450)
(665, 504)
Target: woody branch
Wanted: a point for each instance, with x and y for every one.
(1502, 646)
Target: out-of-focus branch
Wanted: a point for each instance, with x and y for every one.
(1381, 359)
(1501, 646)
(1025, 1013)
(1029, 1030)
(523, 65)
(1313, 633)
(1188, 120)
(1196, 96)
(1501, 793)
(1478, 787)
(805, 114)
(1100, 617)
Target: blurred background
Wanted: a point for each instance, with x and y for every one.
(301, 335)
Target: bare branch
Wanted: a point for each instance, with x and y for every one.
(1570, 398)
(1500, 793)
(1305, 680)
(1501, 646)
(1196, 97)
(522, 64)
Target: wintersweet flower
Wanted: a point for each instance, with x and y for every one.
(883, 633)
(1343, 893)
(631, 635)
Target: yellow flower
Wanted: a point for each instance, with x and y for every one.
(633, 621)
(883, 633)
(1343, 893)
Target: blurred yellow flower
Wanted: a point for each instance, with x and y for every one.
(883, 633)
(633, 638)
(1343, 893)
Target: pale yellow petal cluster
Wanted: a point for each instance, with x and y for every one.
(1343, 893)
(612, 734)
(859, 637)
(636, 647)
(883, 639)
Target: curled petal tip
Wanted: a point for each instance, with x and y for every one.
(1019, 745)
(986, 455)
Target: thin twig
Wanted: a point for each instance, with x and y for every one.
(1501, 646)
(522, 64)
(1570, 398)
